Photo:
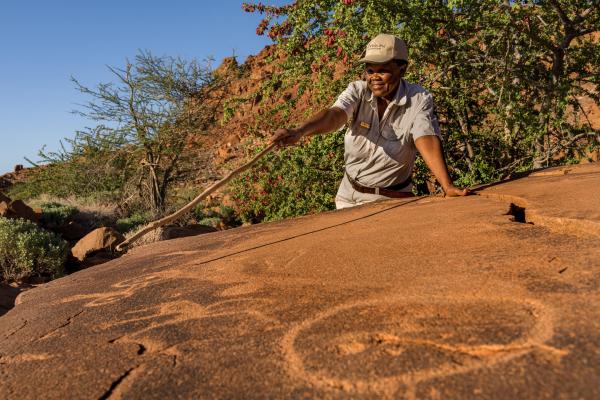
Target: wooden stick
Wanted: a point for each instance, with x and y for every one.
(191, 204)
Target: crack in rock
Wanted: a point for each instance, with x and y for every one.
(16, 330)
(116, 383)
(67, 323)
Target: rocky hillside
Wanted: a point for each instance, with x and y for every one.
(243, 116)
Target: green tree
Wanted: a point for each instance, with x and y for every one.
(148, 116)
(143, 124)
(506, 76)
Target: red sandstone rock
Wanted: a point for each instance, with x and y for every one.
(427, 298)
(175, 232)
(4, 198)
(17, 209)
(99, 239)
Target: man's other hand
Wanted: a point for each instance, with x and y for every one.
(286, 137)
(453, 191)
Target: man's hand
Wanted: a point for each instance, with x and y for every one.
(453, 191)
(286, 137)
(430, 148)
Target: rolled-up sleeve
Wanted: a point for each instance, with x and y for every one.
(425, 123)
(349, 100)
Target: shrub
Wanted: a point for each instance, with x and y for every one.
(26, 250)
(124, 225)
(56, 214)
(294, 181)
(215, 222)
(217, 217)
(507, 77)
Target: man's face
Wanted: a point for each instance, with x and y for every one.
(383, 79)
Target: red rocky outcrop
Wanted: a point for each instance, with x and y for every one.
(98, 240)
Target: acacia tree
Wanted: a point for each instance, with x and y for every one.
(147, 118)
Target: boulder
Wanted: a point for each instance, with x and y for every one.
(336, 305)
(98, 239)
(97, 258)
(4, 198)
(17, 209)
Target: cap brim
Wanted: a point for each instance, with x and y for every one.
(375, 59)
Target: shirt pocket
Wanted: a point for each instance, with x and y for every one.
(395, 144)
(398, 130)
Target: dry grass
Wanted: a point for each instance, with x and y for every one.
(153, 236)
(91, 213)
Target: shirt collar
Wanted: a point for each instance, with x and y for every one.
(400, 96)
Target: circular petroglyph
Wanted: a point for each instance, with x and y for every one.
(386, 345)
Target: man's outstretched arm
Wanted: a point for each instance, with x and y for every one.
(430, 147)
(325, 121)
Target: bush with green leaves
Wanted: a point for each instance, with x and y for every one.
(507, 78)
(216, 216)
(56, 214)
(133, 152)
(293, 181)
(27, 251)
(127, 224)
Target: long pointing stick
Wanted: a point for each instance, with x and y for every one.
(169, 218)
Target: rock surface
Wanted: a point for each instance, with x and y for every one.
(97, 240)
(426, 298)
(176, 232)
(17, 209)
(4, 198)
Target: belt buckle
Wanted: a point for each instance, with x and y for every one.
(377, 190)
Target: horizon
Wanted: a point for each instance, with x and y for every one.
(55, 42)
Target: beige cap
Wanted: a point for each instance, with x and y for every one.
(383, 48)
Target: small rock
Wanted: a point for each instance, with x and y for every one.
(98, 239)
(4, 198)
(17, 209)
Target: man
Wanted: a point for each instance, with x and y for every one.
(389, 120)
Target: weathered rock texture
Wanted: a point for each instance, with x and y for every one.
(428, 298)
(97, 240)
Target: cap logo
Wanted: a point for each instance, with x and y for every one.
(375, 46)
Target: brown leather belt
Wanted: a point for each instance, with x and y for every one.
(390, 191)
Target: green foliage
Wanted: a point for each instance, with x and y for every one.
(294, 181)
(506, 76)
(26, 250)
(143, 123)
(217, 217)
(90, 165)
(56, 214)
(127, 224)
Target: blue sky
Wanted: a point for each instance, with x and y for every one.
(44, 42)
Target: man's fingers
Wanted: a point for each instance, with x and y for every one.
(456, 192)
(283, 137)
